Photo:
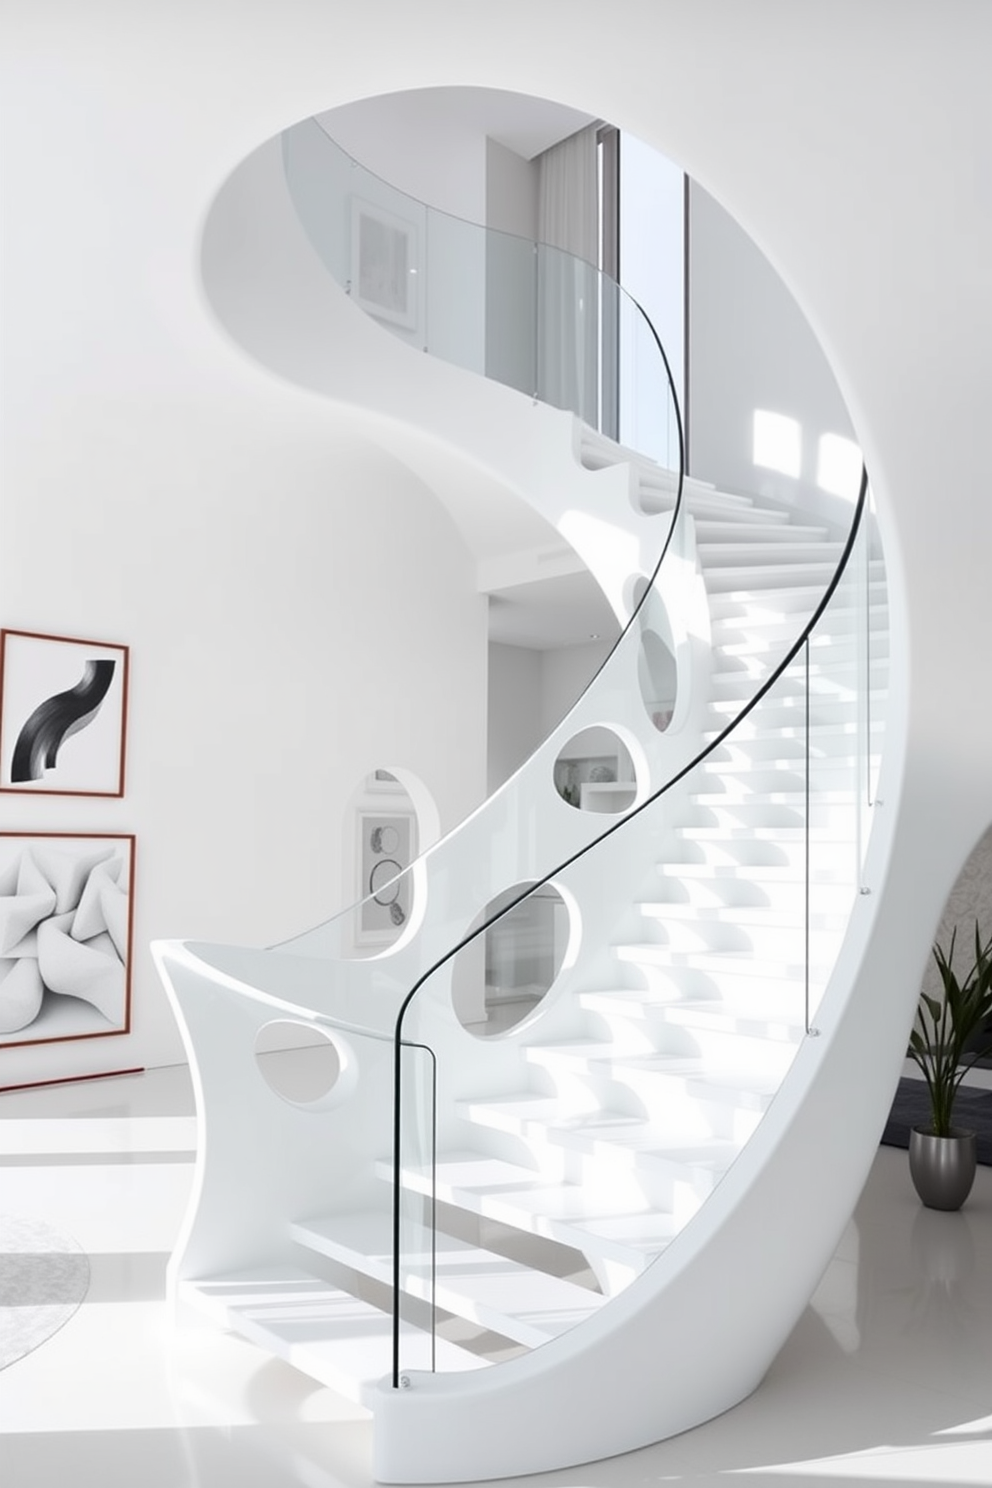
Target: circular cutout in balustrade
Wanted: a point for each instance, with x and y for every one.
(594, 771)
(302, 1063)
(502, 976)
(657, 678)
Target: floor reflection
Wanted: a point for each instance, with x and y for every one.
(885, 1377)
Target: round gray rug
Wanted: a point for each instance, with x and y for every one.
(43, 1278)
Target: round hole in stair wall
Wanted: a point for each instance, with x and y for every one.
(501, 977)
(303, 1064)
(594, 771)
(657, 678)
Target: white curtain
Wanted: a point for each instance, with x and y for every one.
(568, 281)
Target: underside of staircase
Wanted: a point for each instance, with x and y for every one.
(555, 1201)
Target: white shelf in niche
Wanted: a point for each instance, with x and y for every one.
(607, 795)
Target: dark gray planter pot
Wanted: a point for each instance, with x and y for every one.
(943, 1168)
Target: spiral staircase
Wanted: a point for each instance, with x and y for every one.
(533, 1249)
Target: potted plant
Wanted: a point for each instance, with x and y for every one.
(948, 1036)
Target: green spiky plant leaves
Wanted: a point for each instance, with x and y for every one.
(946, 1038)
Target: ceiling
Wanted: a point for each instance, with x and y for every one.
(551, 613)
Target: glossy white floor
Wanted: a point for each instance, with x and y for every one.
(887, 1378)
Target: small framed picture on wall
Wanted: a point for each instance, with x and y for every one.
(384, 264)
(386, 848)
(63, 715)
(66, 917)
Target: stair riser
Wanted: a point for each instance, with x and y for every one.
(836, 820)
(687, 1116)
(769, 579)
(829, 645)
(789, 899)
(767, 942)
(783, 847)
(736, 616)
(851, 745)
(681, 1105)
(740, 994)
(721, 1052)
(756, 781)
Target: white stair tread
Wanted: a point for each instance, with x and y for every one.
(752, 873)
(699, 1013)
(770, 576)
(757, 646)
(580, 1217)
(750, 553)
(324, 1331)
(720, 961)
(714, 508)
(746, 1087)
(762, 834)
(513, 1300)
(603, 1133)
(795, 800)
(727, 532)
(764, 916)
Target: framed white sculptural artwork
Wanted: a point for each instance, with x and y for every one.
(66, 925)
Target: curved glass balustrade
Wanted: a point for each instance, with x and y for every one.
(635, 1082)
(762, 830)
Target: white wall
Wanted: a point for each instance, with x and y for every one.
(750, 347)
(511, 192)
(514, 709)
(565, 675)
(511, 214)
(408, 140)
(300, 609)
(530, 692)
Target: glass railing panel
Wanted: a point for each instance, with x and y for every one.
(683, 959)
(647, 421)
(568, 373)
(414, 1209)
(831, 663)
(511, 311)
(528, 315)
(456, 282)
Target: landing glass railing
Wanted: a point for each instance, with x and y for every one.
(533, 317)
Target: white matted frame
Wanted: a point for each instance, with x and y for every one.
(63, 715)
(66, 931)
(384, 268)
(387, 844)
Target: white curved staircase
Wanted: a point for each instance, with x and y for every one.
(568, 1190)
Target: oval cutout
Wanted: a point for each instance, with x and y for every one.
(657, 678)
(594, 771)
(300, 1062)
(501, 977)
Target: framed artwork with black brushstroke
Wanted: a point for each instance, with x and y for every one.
(63, 715)
(66, 929)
